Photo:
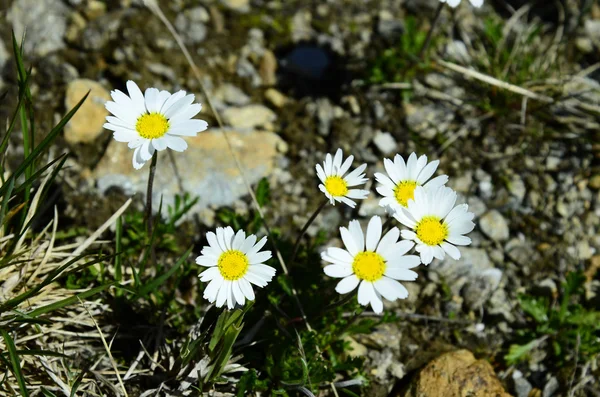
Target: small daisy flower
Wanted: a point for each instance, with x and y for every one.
(335, 185)
(455, 3)
(155, 120)
(234, 262)
(438, 225)
(398, 186)
(375, 263)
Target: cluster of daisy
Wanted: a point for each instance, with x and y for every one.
(434, 226)
(372, 261)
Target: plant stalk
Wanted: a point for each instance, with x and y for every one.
(427, 41)
(305, 228)
(149, 193)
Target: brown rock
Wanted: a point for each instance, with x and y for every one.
(456, 374)
(87, 123)
(205, 169)
(268, 68)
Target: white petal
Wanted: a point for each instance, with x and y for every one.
(338, 271)
(337, 162)
(340, 254)
(436, 182)
(346, 165)
(237, 293)
(476, 3)
(451, 250)
(151, 98)
(365, 293)
(426, 255)
(376, 303)
(191, 111)
(389, 240)
(180, 106)
(209, 274)
(357, 234)
(238, 240)
(171, 100)
(427, 172)
(398, 273)
(206, 261)
(357, 194)
(257, 246)
(391, 170)
(122, 135)
(122, 113)
(321, 173)
(187, 127)
(246, 289)
(348, 240)
(137, 160)
(212, 289)
(212, 241)
(260, 257)
(222, 295)
(401, 167)
(136, 96)
(248, 244)
(404, 262)
(347, 284)
(373, 233)
(159, 143)
(176, 143)
(390, 289)
(458, 240)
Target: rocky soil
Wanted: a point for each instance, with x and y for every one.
(291, 80)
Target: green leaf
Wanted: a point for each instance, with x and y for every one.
(158, 281)
(68, 301)
(16, 364)
(536, 307)
(263, 192)
(517, 353)
(46, 142)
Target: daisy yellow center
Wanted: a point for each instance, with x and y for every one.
(152, 125)
(233, 265)
(431, 230)
(405, 191)
(368, 266)
(336, 185)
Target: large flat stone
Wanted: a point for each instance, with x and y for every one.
(206, 169)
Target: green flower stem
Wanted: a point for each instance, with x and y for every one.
(305, 228)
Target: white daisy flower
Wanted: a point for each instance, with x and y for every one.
(438, 225)
(335, 185)
(375, 263)
(398, 186)
(155, 120)
(234, 262)
(455, 3)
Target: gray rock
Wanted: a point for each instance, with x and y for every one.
(231, 95)
(500, 304)
(476, 206)
(301, 26)
(249, 117)
(494, 226)
(162, 70)
(245, 68)
(522, 386)
(100, 31)
(385, 142)
(521, 252)
(473, 276)
(4, 55)
(462, 183)
(592, 30)
(45, 22)
(205, 169)
(428, 120)
(191, 24)
(551, 387)
(325, 113)
(517, 187)
(388, 26)
(456, 51)
(237, 5)
(480, 288)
